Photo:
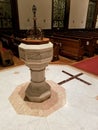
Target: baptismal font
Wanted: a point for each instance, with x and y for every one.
(36, 51)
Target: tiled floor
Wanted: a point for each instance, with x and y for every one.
(80, 112)
(43, 109)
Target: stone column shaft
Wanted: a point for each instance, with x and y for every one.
(37, 75)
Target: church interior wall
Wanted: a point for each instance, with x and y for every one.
(78, 13)
(44, 11)
(77, 17)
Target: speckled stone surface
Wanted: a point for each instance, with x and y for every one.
(79, 112)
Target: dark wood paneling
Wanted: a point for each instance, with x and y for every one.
(15, 17)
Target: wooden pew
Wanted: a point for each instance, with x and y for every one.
(87, 41)
(6, 56)
(72, 48)
(94, 34)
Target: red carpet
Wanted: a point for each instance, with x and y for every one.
(89, 65)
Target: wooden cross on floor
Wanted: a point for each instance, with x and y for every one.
(73, 77)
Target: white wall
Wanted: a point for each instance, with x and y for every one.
(44, 8)
(44, 13)
(77, 17)
(96, 22)
(78, 13)
(25, 13)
